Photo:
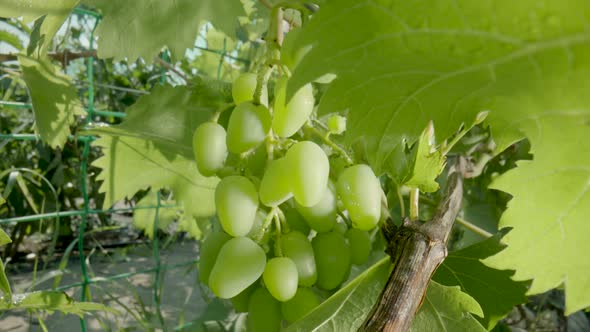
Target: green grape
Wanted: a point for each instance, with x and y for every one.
(296, 246)
(247, 128)
(275, 187)
(236, 201)
(340, 228)
(309, 171)
(321, 217)
(304, 301)
(296, 221)
(360, 192)
(280, 278)
(264, 312)
(209, 148)
(288, 119)
(239, 264)
(243, 89)
(360, 245)
(208, 254)
(336, 124)
(332, 255)
(240, 301)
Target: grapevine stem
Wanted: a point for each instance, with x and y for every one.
(414, 202)
(266, 224)
(465, 223)
(331, 144)
(278, 250)
(475, 229)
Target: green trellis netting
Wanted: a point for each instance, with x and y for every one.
(87, 211)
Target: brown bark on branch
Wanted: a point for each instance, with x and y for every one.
(416, 250)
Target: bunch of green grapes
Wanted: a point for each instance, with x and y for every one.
(291, 232)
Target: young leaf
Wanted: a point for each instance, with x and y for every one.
(493, 289)
(159, 23)
(153, 148)
(4, 238)
(444, 309)
(55, 11)
(4, 284)
(550, 208)
(55, 100)
(401, 64)
(447, 309)
(52, 301)
(428, 163)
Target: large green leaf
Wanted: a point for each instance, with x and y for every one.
(493, 289)
(55, 100)
(159, 23)
(444, 309)
(153, 147)
(550, 209)
(52, 301)
(145, 216)
(400, 64)
(55, 12)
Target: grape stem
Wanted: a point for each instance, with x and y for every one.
(265, 224)
(461, 221)
(414, 203)
(278, 250)
(326, 139)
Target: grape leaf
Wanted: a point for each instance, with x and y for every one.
(428, 163)
(52, 301)
(400, 64)
(493, 289)
(156, 24)
(145, 216)
(55, 12)
(153, 148)
(54, 98)
(447, 309)
(550, 208)
(444, 309)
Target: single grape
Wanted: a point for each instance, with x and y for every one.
(280, 278)
(209, 250)
(275, 187)
(309, 170)
(296, 221)
(247, 128)
(360, 192)
(209, 148)
(239, 264)
(360, 245)
(321, 217)
(236, 201)
(240, 301)
(264, 312)
(243, 89)
(332, 255)
(289, 118)
(336, 124)
(340, 227)
(297, 247)
(304, 301)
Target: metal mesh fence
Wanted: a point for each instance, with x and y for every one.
(84, 214)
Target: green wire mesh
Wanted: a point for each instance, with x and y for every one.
(84, 214)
